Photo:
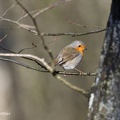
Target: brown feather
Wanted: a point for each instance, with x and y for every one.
(65, 55)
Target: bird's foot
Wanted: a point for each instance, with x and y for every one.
(80, 72)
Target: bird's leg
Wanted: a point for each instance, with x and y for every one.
(78, 71)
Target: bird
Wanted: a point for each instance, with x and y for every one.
(71, 55)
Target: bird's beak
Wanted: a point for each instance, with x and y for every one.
(85, 48)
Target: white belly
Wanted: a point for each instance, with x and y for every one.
(73, 63)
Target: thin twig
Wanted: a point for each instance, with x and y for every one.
(85, 26)
(3, 38)
(8, 10)
(50, 7)
(27, 14)
(35, 46)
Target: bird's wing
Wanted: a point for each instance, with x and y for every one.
(65, 55)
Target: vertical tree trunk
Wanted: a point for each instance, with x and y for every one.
(104, 102)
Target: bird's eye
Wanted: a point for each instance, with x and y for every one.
(79, 46)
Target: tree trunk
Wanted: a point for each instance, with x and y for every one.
(104, 102)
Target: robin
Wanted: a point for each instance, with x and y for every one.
(70, 56)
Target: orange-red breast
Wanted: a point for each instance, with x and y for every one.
(70, 56)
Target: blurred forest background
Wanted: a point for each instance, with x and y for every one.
(27, 94)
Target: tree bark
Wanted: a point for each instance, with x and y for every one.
(104, 102)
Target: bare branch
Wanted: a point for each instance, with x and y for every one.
(28, 28)
(73, 34)
(58, 72)
(28, 56)
(7, 50)
(19, 63)
(78, 74)
(38, 31)
(46, 71)
(50, 69)
(73, 87)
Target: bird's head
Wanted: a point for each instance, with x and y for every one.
(79, 46)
